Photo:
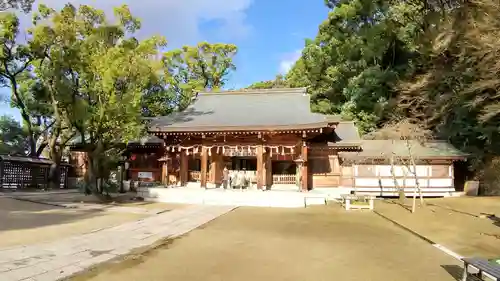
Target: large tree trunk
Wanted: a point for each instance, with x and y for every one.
(93, 175)
(55, 175)
(90, 177)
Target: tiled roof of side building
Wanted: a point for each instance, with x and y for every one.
(346, 133)
(268, 109)
(378, 149)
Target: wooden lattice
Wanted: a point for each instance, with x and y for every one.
(24, 172)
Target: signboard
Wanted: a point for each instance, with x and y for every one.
(240, 152)
(145, 175)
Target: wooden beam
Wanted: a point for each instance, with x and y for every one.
(204, 162)
(260, 166)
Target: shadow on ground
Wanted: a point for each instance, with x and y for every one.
(71, 198)
(16, 214)
(454, 270)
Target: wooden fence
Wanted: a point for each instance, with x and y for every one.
(285, 179)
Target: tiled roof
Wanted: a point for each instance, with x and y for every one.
(261, 109)
(25, 159)
(385, 148)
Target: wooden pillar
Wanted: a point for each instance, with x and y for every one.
(184, 168)
(304, 172)
(164, 172)
(204, 170)
(268, 170)
(260, 166)
(216, 167)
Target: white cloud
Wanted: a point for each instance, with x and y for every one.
(289, 60)
(179, 20)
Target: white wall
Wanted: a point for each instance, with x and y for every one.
(404, 177)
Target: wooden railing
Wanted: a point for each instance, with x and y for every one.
(195, 176)
(284, 179)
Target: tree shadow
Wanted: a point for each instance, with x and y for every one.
(493, 218)
(187, 115)
(17, 215)
(401, 204)
(71, 200)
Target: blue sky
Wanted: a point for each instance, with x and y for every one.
(269, 33)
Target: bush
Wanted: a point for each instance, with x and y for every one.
(491, 178)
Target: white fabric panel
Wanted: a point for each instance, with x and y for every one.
(441, 182)
(423, 171)
(366, 182)
(384, 171)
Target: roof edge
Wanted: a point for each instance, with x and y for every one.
(257, 91)
(169, 129)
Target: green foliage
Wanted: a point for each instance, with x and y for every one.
(278, 82)
(203, 67)
(12, 136)
(434, 63)
(358, 55)
(24, 5)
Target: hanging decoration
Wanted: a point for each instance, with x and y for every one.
(237, 150)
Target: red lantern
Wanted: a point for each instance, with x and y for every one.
(132, 157)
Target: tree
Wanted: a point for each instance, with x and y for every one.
(94, 74)
(12, 136)
(203, 67)
(413, 136)
(24, 5)
(278, 82)
(454, 89)
(16, 63)
(357, 56)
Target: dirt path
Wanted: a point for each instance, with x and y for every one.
(317, 243)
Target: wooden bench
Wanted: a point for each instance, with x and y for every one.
(483, 266)
(347, 198)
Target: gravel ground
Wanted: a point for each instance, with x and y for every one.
(316, 243)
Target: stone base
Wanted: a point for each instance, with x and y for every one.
(290, 198)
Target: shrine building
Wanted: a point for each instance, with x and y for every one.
(273, 135)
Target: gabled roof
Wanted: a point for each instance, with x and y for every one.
(257, 109)
(381, 149)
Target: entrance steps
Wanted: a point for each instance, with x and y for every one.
(281, 198)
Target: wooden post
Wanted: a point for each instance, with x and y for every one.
(204, 162)
(260, 166)
(268, 170)
(304, 172)
(164, 172)
(216, 168)
(184, 168)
